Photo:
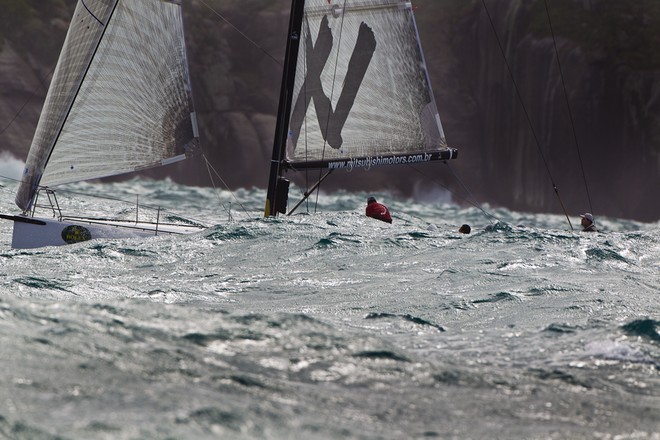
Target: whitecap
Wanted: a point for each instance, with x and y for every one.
(10, 166)
(613, 350)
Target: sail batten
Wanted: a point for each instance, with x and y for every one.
(120, 99)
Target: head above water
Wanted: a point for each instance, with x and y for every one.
(465, 229)
(371, 199)
(588, 217)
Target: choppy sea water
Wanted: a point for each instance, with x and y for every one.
(331, 325)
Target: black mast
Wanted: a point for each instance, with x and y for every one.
(276, 197)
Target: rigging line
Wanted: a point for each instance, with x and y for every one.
(568, 106)
(5, 188)
(18, 113)
(208, 169)
(529, 121)
(241, 33)
(115, 199)
(208, 164)
(27, 101)
(11, 178)
(332, 94)
(471, 202)
(488, 216)
(97, 196)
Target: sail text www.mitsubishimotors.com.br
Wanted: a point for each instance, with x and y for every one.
(367, 162)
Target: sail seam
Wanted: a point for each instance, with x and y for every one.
(91, 13)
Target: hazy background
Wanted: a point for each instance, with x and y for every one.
(609, 50)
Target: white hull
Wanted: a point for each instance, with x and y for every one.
(35, 232)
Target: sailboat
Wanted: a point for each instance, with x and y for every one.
(355, 94)
(119, 101)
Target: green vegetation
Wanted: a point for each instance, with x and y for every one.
(620, 31)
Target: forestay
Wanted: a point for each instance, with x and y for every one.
(362, 95)
(120, 98)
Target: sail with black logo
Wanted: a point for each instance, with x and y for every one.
(355, 93)
(119, 101)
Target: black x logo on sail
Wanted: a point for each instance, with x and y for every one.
(331, 121)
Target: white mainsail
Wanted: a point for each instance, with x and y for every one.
(361, 86)
(355, 93)
(120, 99)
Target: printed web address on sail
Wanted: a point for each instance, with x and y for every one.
(379, 160)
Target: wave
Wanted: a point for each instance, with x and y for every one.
(11, 167)
(231, 233)
(645, 328)
(381, 355)
(41, 283)
(617, 351)
(601, 254)
(561, 328)
(497, 297)
(405, 317)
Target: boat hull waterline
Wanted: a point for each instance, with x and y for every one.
(35, 232)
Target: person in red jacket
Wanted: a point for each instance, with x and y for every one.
(377, 210)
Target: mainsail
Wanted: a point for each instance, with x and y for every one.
(361, 89)
(120, 99)
(356, 91)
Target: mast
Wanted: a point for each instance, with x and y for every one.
(276, 197)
